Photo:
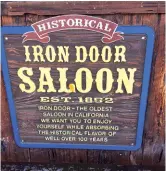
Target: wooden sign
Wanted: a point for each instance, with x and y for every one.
(77, 81)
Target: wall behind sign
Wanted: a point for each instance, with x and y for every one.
(131, 13)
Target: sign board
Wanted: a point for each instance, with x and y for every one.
(76, 81)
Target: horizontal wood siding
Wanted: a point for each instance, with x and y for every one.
(82, 7)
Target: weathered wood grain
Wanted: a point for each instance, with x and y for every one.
(40, 155)
(82, 7)
(135, 157)
(154, 125)
(68, 156)
(58, 155)
(12, 153)
(155, 106)
(37, 155)
(13, 21)
(107, 156)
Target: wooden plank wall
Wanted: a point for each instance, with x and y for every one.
(152, 14)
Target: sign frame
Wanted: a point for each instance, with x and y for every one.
(143, 99)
